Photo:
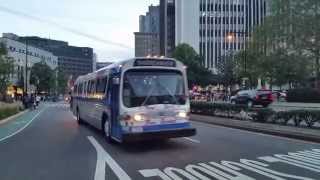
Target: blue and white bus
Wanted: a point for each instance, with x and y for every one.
(136, 99)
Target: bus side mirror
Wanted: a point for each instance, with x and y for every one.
(116, 81)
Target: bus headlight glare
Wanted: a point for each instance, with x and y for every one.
(138, 117)
(182, 114)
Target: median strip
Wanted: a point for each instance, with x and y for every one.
(273, 129)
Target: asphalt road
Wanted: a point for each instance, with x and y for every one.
(50, 145)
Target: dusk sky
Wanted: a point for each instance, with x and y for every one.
(105, 25)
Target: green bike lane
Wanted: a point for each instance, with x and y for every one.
(16, 125)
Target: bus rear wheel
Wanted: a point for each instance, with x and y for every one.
(79, 120)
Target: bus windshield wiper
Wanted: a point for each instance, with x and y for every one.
(170, 94)
(148, 97)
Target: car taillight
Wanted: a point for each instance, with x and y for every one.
(270, 97)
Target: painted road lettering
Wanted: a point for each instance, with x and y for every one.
(233, 174)
(262, 166)
(225, 170)
(228, 170)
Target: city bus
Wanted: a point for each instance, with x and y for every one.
(134, 100)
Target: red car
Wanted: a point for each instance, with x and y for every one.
(253, 97)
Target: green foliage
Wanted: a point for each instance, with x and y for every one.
(7, 112)
(227, 74)
(6, 68)
(42, 76)
(286, 48)
(197, 74)
(306, 95)
(62, 82)
(262, 115)
(217, 109)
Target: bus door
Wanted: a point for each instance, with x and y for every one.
(114, 105)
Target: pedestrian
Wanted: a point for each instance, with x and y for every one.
(32, 101)
(38, 98)
(25, 101)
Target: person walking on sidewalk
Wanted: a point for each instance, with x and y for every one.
(38, 98)
(32, 101)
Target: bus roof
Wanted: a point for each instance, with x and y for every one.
(123, 63)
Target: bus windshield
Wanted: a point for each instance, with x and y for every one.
(150, 87)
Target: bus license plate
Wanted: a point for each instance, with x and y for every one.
(168, 119)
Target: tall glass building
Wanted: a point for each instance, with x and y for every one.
(225, 25)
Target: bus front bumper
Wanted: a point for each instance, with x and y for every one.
(164, 134)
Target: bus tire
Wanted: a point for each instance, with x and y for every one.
(106, 127)
(79, 120)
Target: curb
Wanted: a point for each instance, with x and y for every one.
(299, 136)
(4, 121)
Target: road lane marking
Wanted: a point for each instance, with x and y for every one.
(104, 158)
(225, 170)
(192, 140)
(25, 126)
(255, 133)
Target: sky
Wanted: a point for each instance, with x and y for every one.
(105, 25)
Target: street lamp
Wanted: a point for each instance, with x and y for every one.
(230, 37)
(244, 34)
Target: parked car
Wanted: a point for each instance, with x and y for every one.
(253, 97)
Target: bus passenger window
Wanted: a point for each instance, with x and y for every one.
(101, 85)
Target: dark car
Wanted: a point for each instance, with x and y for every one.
(253, 97)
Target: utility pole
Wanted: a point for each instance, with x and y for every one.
(26, 70)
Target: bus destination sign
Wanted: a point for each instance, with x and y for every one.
(155, 62)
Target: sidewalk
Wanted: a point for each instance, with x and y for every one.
(273, 129)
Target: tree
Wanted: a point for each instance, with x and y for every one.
(197, 74)
(285, 49)
(6, 69)
(62, 81)
(227, 73)
(42, 76)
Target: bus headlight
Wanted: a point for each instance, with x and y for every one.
(138, 117)
(183, 114)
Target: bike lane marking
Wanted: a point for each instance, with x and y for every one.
(16, 126)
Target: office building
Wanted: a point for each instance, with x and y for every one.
(146, 44)
(73, 61)
(149, 23)
(187, 23)
(168, 26)
(147, 39)
(25, 55)
(222, 26)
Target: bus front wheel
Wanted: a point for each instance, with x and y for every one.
(107, 130)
